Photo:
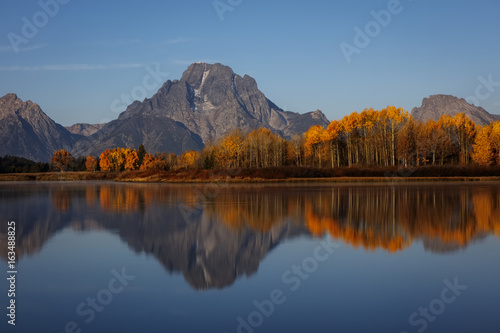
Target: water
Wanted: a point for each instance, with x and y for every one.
(105, 257)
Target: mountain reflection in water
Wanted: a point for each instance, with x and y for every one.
(214, 234)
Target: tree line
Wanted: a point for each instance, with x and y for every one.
(14, 164)
(372, 138)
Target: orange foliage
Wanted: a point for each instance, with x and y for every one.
(61, 159)
(387, 137)
(104, 162)
(314, 143)
(190, 159)
(119, 159)
(152, 162)
(131, 160)
(484, 152)
(91, 163)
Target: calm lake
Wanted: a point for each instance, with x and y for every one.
(107, 257)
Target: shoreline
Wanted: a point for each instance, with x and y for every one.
(222, 176)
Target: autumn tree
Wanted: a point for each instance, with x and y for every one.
(190, 159)
(367, 132)
(296, 150)
(465, 130)
(443, 135)
(258, 148)
(495, 141)
(131, 160)
(397, 117)
(349, 126)
(407, 143)
(486, 146)
(154, 162)
(171, 160)
(278, 150)
(483, 149)
(147, 162)
(91, 163)
(104, 162)
(61, 160)
(117, 159)
(314, 143)
(228, 150)
(332, 138)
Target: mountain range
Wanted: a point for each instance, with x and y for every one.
(208, 101)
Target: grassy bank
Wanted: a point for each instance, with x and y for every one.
(285, 174)
(297, 174)
(58, 176)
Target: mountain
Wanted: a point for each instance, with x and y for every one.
(26, 131)
(207, 102)
(435, 106)
(84, 129)
(300, 123)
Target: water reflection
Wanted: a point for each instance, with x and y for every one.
(213, 234)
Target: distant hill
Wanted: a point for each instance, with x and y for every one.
(436, 106)
(206, 103)
(84, 129)
(26, 131)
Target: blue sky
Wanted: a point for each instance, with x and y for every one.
(86, 54)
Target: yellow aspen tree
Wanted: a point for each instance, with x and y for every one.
(314, 139)
(332, 139)
(483, 151)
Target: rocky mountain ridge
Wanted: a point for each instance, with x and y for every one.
(26, 131)
(84, 129)
(435, 106)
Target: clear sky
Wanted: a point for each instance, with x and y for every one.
(83, 55)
